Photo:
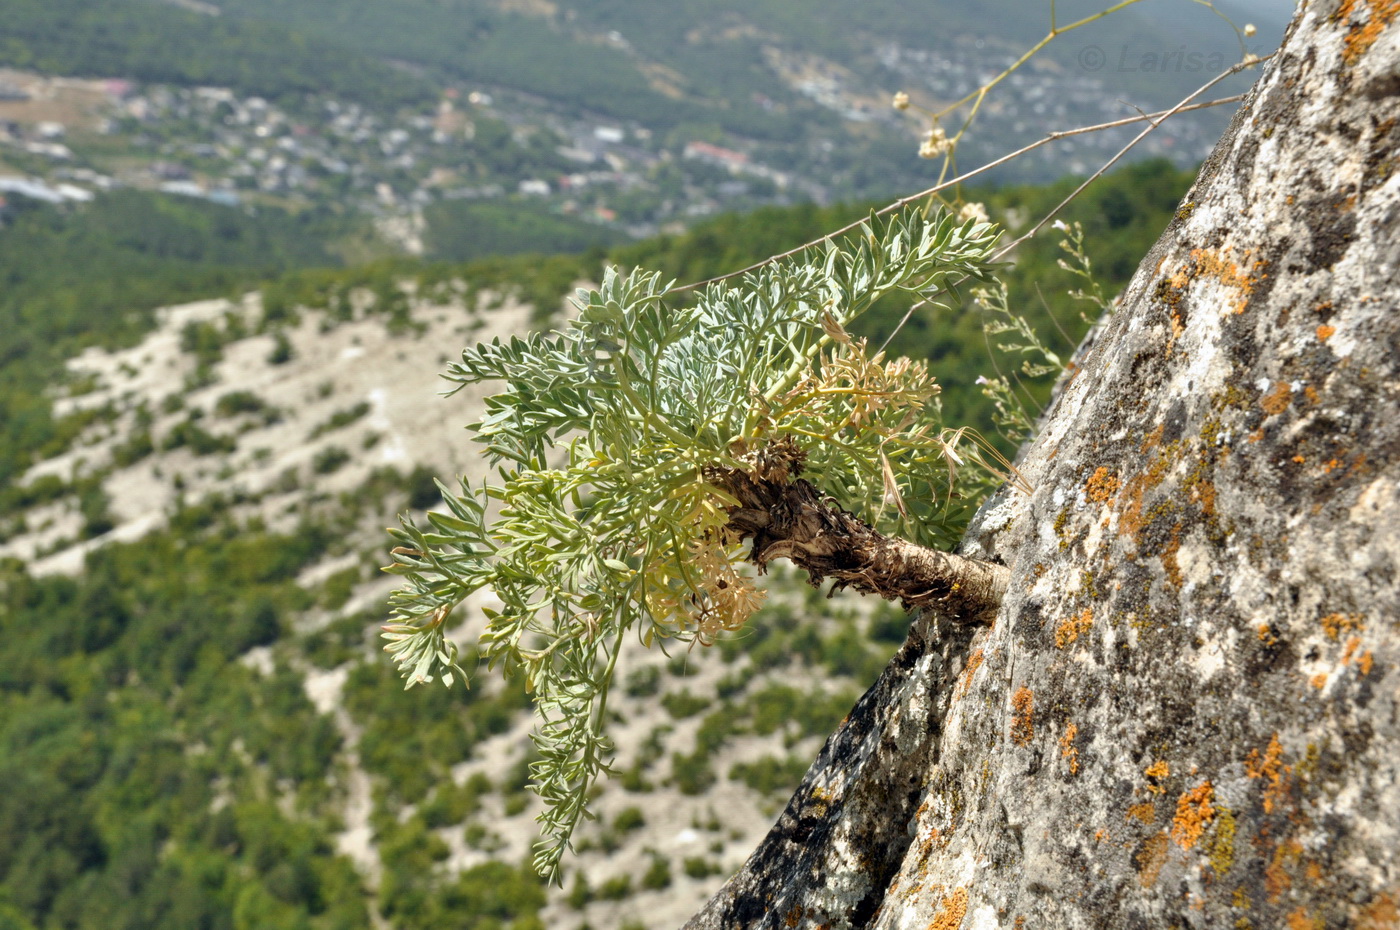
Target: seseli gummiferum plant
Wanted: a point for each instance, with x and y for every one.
(637, 450)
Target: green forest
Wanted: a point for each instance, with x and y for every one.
(154, 780)
(161, 43)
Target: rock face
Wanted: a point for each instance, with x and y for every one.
(1185, 713)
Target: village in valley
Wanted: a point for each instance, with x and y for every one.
(64, 139)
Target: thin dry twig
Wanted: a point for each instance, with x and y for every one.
(960, 179)
(1154, 120)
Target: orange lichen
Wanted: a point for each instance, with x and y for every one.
(1299, 920)
(1352, 653)
(1022, 727)
(1325, 332)
(974, 661)
(1229, 273)
(1194, 809)
(1334, 624)
(1101, 486)
(1072, 628)
(1068, 750)
(1276, 877)
(1380, 914)
(1157, 771)
(1318, 681)
(951, 911)
(1203, 493)
(1266, 634)
(1277, 400)
(794, 916)
(1151, 858)
(1361, 36)
(1146, 812)
(1268, 766)
(1168, 556)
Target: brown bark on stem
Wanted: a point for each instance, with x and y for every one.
(792, 519)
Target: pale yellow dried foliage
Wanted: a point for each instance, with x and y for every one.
(723, 598)
(851, 382)
(703, 591)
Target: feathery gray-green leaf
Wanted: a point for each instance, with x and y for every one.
(602, 435)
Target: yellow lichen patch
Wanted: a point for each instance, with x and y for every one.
(951, 911)
(1022, 725)
(1334, 624)
(1362, 35)
(1325, 332)
(1146, 812)
(1222, 843)
(1268, 766)
(1074, 627)
(1156, 772)
(1266, 634)
(1068, 751)
(1151, 858)
(1101, 486)
(1277, 400)
(1194, 810)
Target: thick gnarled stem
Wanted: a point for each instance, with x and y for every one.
(792, 519)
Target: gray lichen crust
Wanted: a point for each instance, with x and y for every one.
(1187, 712)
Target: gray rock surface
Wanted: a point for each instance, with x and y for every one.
(1185, 713)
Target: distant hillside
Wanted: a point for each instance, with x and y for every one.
(91, 274)
(147, 40)
(702, 60)
(802, 91)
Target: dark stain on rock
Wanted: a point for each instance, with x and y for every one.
(1174, 421)
(1272, 653)
(1333, 229)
